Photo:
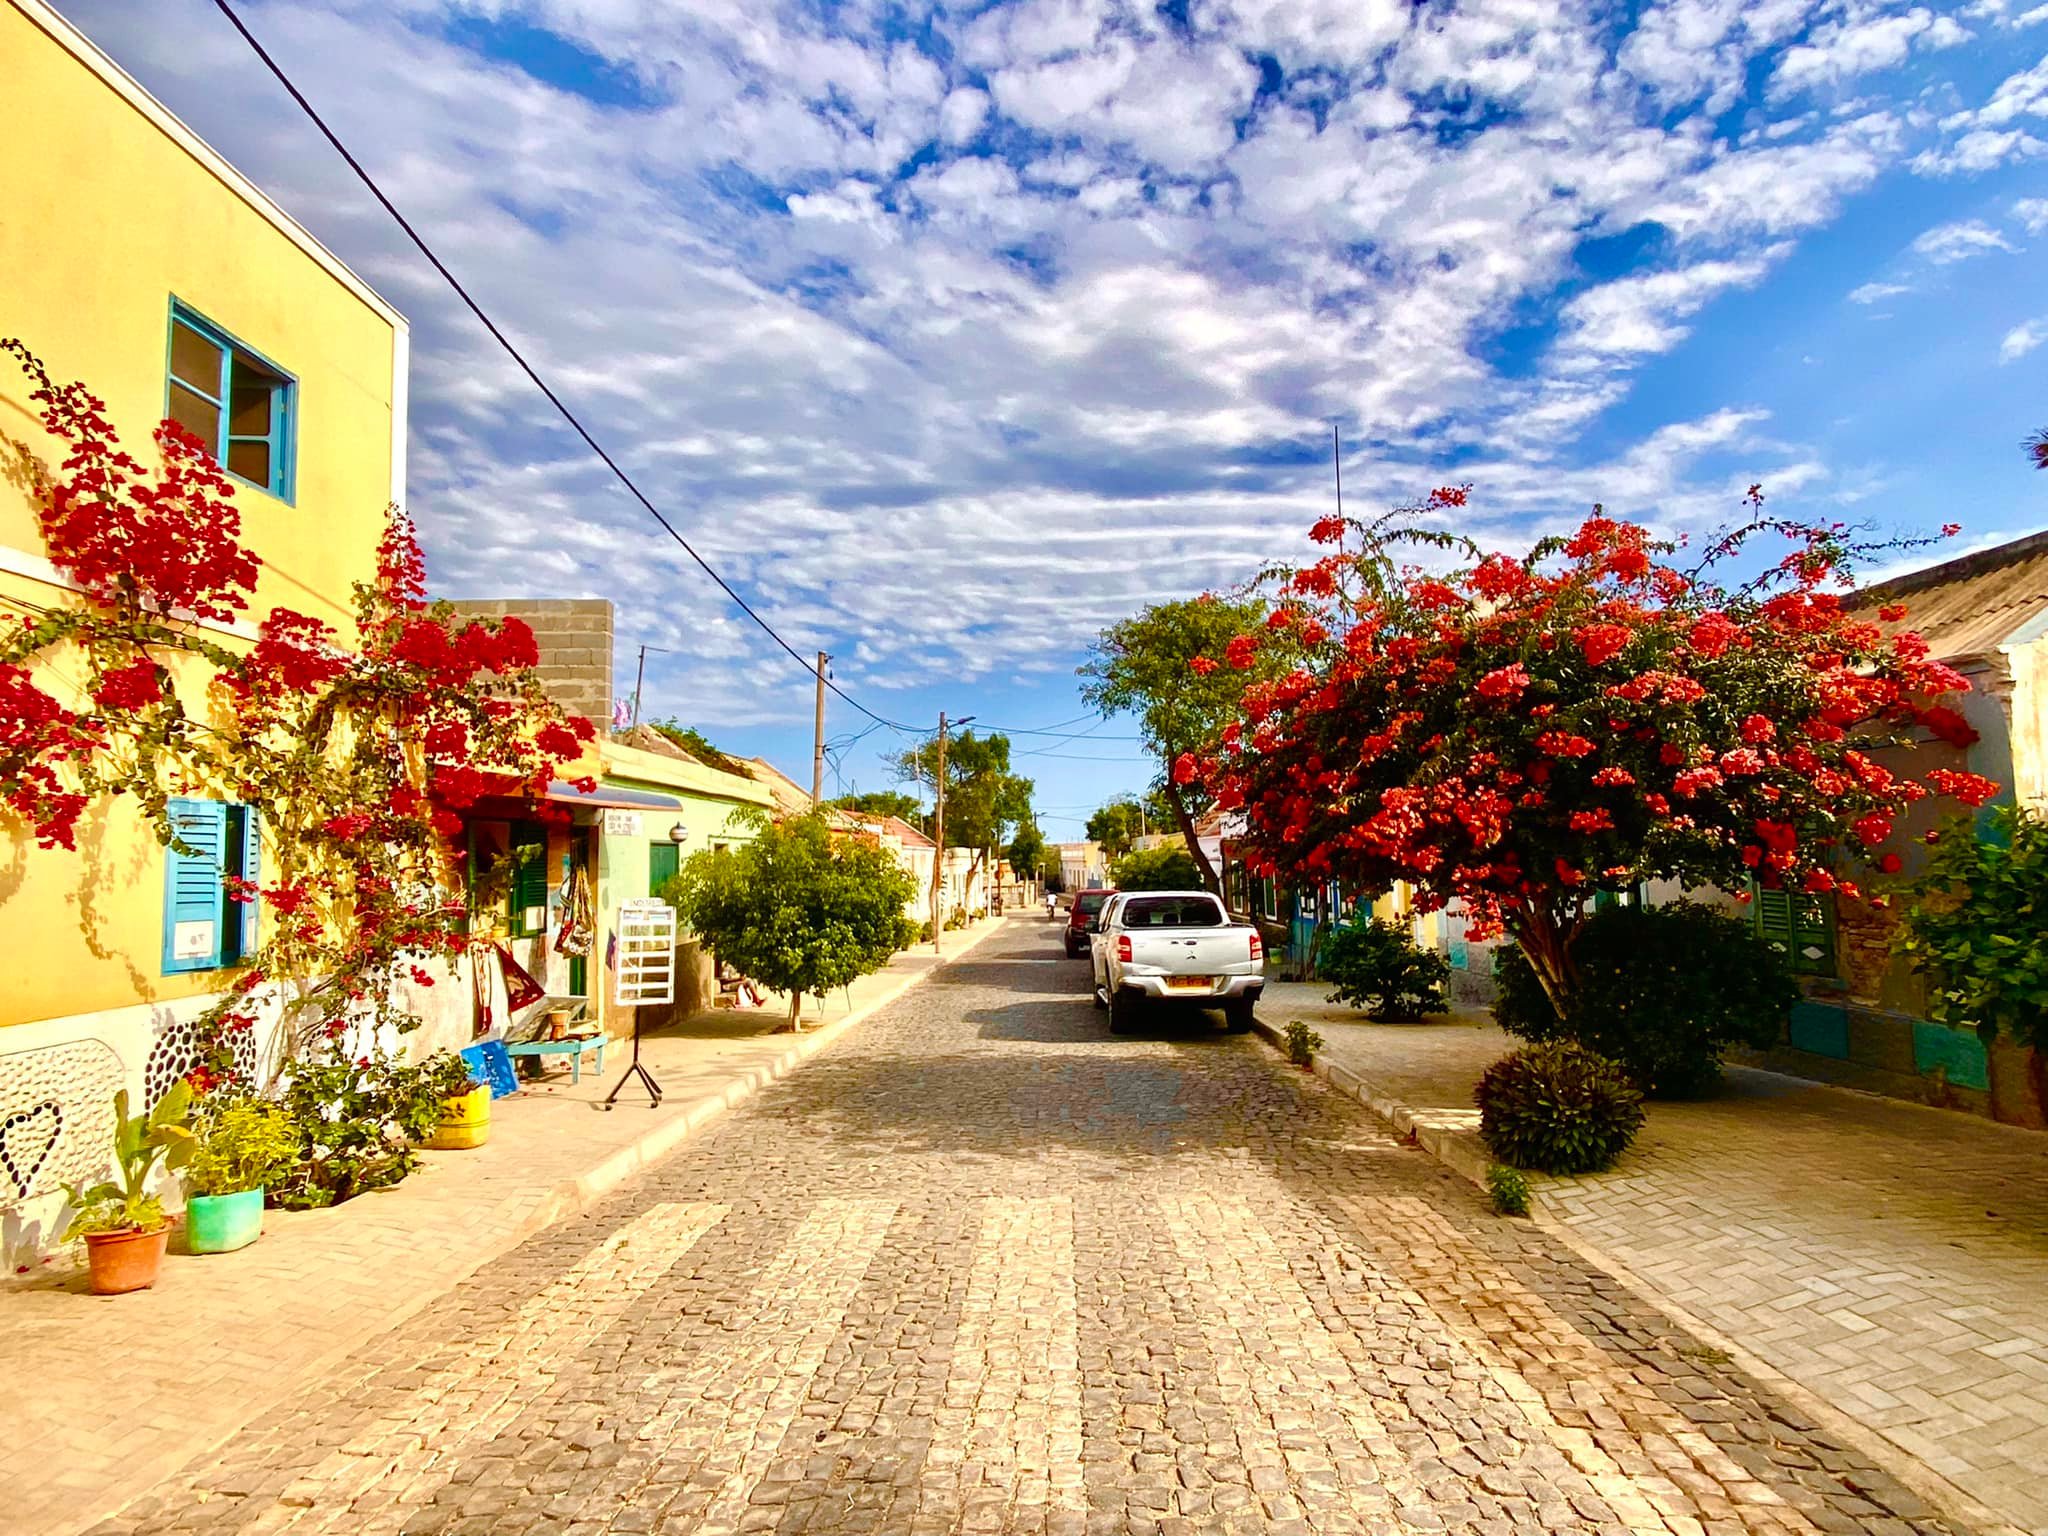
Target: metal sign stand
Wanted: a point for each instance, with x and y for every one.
(647, 974)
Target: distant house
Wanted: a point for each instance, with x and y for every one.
(1986, 615)
(1082, 866)
(911, 849)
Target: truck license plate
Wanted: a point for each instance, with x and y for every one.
(1188, 983)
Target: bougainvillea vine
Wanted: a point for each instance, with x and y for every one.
(358, 752)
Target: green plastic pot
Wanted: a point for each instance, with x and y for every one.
(223, 1223)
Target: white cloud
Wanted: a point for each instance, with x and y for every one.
(1841, 49)
(864, 358)
(2022, 339)
(1876, 292)
(1946, 244)
(1994, 133)
(2032, 212)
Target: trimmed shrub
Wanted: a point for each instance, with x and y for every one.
(1664, 991)
(1557, 1108)
(1376, 966)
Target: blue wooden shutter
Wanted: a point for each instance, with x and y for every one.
(195, 927)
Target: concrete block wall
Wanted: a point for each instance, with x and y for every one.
(575, 638)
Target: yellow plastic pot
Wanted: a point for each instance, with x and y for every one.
(465, 1121)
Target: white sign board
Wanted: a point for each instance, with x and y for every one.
(621, 823)
(647, 952)
(192, 941)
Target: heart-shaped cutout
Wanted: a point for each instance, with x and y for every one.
(27, 1138)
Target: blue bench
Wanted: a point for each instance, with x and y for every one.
(521, 1039)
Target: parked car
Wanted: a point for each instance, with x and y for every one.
(1175, 949)
(1081, 913)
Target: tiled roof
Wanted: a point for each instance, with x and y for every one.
(1971, 605)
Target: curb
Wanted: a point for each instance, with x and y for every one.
(1450, 1145)
(1459, 1150)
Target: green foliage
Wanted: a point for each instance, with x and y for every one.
(692, 741)
(1376, 966)
(1664, 991)
(887, 802)
(242, 1144)
(984, 799)
(796, 910)
(1167, 868)
(1977, 926)
(1142, 666)
(1509, 1188)
(355, 1123)
(1302, 1043)
(139, 1143)
(1558, 1108)
(1114, 826)
(1026, 852)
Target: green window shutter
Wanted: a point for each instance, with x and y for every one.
(663, 859)
(195, 902)
(1799, 927)
(529, 891)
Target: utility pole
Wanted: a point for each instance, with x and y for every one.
(939, 837)
(818, 740)
(640, 676)
(939, 831)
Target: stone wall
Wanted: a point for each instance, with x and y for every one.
(575, 638)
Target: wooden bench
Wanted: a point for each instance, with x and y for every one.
(521, 1039)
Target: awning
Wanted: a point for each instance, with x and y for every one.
(606, 798)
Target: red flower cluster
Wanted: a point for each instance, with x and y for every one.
(1737, 744)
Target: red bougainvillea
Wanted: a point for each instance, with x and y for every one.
(1517, 733)
(355, 751)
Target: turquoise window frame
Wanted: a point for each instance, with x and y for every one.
(195, 886)
(282, 439)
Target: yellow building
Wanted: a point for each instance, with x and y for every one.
(135, 259)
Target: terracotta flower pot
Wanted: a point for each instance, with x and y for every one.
(125, 1261)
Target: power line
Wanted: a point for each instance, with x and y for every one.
(527, 368)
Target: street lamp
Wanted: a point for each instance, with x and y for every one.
(679, 834)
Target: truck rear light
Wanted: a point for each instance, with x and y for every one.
(1258, 949)
(1123, 947)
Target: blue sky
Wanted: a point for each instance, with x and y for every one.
(952, 333)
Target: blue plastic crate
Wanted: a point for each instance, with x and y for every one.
(489, 1062)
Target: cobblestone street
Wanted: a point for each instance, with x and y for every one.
(981, 1267)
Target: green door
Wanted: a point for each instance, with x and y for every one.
(662, 861)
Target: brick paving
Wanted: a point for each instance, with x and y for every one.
(981, 1267)
(1888, 1258)
(120, 1392)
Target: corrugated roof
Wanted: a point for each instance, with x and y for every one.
(1971, 605)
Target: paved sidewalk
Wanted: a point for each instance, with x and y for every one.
(1887, 1260)
(108, 1395)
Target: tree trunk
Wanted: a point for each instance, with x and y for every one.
(1545, 939)
(796, 1013)
(1210, 877)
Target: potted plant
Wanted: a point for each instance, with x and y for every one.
(123, 1225)
(465, 1104)
(238, 1151)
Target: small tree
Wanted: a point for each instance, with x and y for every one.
(1156, 869)
(1114, 826)
(358, 752)
(1160, 665)
(1027, 851)
(797, 909)
(984, 799)
(1515, 734)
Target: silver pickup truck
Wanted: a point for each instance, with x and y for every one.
(1154, 948)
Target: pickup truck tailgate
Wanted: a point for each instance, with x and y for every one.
(1192, 951)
